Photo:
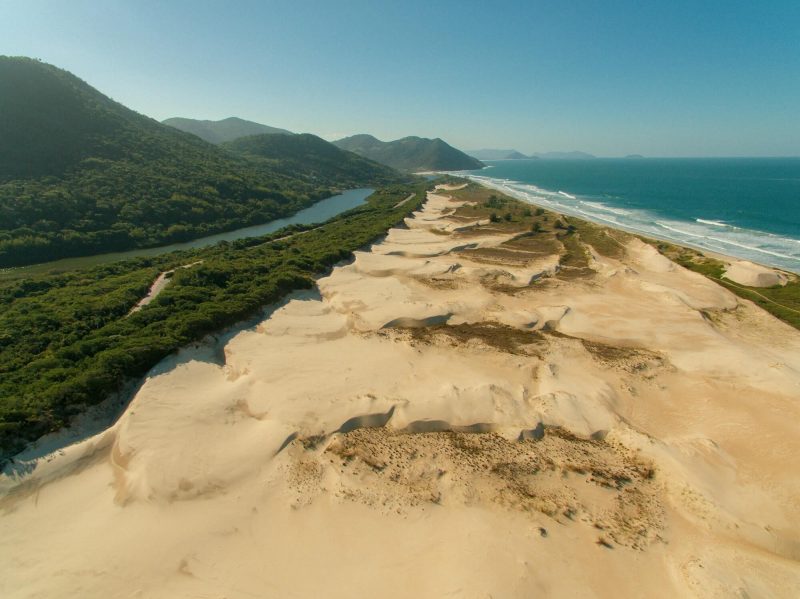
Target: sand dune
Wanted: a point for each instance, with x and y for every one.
(432, 425)
(754, 275)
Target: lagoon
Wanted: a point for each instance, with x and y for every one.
(317, 213)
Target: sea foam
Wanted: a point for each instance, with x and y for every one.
(714, 223)
(702, 233)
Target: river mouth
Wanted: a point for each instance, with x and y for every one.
(317, 213)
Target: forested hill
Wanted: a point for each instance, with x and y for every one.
(320, 159)
(410, 153)
(81, 174)
(217, 132)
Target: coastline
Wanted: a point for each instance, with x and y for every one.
(749, 279)
(531, 405)
(748, 253)
(728, 258)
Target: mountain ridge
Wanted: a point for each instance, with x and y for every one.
(291, 152)
(221, 131)
(81, 174)
(410, 153)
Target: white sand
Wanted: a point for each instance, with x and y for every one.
(754, 275)
(260, 477)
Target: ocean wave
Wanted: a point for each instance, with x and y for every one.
(713, 223)
(605, 208)
(753, 248)
(677, 230)
(708, 234)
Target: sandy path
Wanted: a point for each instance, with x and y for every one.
(161, 282)
(431, 425)
(401, 202)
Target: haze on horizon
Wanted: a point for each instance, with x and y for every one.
(679, 79)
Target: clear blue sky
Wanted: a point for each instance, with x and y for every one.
(668, 78)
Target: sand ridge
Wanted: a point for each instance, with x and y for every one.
(448, 415)
(754, 275)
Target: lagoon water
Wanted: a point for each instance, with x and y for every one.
(316, 213)
(743, 207)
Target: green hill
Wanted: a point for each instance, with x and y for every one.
(81, 174)
(217, 132)
(319, 160)
(410, 153)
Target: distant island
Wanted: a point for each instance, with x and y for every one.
(411, 153)
(634, 156)
(490, 154)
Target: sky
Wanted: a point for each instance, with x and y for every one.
(668, 78)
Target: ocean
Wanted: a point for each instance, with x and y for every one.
(743, 207)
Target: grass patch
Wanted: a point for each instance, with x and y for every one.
(540, 233)
(574, 261)
(606, 242)
(498, 336)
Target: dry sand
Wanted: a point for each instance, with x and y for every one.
(753, 275)
(431, 425)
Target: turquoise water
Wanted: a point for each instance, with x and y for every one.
(317, 213)
(744, 207)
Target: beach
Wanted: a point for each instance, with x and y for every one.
(735, 207)
(468, 408)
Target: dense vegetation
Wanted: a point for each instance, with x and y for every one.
(217, 132)
(81, 174)
(67, 341)
(318, 159)
(410, 153)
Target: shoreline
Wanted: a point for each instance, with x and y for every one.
(748, 279)
(488, 182)
(727, 258)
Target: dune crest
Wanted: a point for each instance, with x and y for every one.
(451, 415)
(754, 275)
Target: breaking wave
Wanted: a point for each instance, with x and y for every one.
(702, 233)
(714, 223)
